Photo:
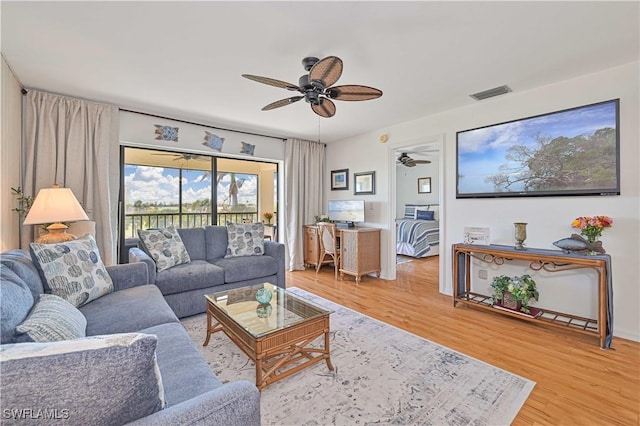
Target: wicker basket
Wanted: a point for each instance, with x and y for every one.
(510, 303)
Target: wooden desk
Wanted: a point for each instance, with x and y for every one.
(359, 250)
(550, 261)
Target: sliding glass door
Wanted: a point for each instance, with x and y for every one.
(161, 188)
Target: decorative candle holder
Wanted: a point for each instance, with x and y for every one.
(520, 235)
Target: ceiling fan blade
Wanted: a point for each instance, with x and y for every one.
(271, 82)
(325, 108)
(327, 71)
(282, 102)
(353, 93)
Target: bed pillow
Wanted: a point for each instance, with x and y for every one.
(98, 380)
(73, 270)
(164, 246)
(424, 214)
(245, 239)
(51, 319)
(410, 210)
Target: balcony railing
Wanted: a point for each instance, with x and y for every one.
(133, 222)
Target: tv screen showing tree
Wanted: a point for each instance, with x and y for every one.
(570, 152)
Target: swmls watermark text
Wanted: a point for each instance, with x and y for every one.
(35, 413)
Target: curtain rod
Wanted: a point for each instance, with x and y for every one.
(24, 92)
(201, 124)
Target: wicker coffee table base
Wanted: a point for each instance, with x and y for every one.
(278, 354)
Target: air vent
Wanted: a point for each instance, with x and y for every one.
(497, 91)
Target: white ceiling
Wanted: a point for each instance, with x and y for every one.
(184, 59)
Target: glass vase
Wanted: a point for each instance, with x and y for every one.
(520, 235)
(591, 239)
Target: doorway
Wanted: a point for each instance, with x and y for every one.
(405, 189)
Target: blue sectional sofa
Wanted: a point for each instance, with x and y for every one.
(54, 383)
(184, 286)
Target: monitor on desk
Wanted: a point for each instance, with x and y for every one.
(346, 211)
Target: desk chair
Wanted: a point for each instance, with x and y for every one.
(327, 236)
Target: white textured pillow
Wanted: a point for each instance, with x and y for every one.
(165, 247)
(73, 270)
(53, 318)
(246, 239)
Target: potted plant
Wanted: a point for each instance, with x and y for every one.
(514, 292)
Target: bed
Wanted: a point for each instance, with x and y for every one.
(418, 233)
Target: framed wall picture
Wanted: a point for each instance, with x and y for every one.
(424, 185)
(364, 183)
(339, 179)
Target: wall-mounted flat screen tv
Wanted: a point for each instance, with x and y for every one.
(346, 210)
(570, 152)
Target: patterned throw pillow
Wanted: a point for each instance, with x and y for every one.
(165, 247)
(99, 380)
(53, 318)
(73, 270)
(246, 239)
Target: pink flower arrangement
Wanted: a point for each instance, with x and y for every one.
(592, 227)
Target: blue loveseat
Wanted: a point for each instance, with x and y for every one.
(184, 286)
(42, 386)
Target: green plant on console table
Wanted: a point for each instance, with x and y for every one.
(522, 289)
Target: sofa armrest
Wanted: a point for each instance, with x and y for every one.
(128, 275)
(233, 404)
(276, 250)
(138, 255)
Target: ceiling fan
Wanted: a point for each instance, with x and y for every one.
(316, 89)
(183, 156)
(407, 161)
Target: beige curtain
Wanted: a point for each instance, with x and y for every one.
(304, 183)
(74, 143)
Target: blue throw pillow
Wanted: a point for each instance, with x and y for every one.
(99, 380)
(424, 215)
(51, 319)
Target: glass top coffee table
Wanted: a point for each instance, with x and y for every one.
(277, 336)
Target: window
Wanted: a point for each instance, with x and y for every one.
(162, 188)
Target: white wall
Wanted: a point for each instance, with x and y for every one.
(11, 143)
(549, 218)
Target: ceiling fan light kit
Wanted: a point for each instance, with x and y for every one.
(316, 87)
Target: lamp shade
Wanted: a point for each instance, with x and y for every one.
(55, 205)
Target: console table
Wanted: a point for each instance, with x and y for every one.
(539, 259)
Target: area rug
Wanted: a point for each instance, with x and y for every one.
(383, 375)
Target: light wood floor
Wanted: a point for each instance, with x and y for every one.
(577, 383)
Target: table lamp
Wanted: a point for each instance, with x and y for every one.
(55, 205)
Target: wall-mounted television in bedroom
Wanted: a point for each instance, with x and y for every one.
(570, 152)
